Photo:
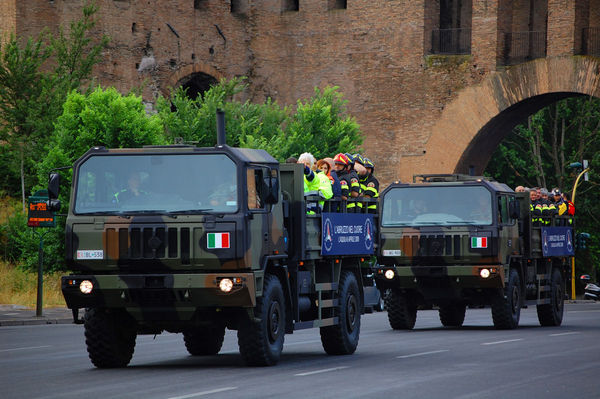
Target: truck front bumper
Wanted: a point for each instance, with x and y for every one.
(427, 279)
(159, 291)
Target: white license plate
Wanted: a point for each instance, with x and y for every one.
(392, 252)
(90, 254)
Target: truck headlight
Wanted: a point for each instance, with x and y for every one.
(86, 286)
(484, 273)
(389, 274)
(226, 285)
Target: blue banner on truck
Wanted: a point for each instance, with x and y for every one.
(347, 234)
(557, 241)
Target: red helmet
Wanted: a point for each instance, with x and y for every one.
(341, 159)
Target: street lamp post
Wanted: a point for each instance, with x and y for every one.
(583, 172)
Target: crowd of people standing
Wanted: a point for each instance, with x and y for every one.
(545, 204)
(346, 179)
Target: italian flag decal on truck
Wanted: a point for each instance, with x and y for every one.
(217, 240)
(478, 242)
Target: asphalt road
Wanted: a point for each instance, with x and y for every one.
(476, 361)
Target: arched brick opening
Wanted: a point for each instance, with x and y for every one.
(475, 122)
(197, 83)
(196, 77)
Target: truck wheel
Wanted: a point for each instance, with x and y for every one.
(402, 314)
(110, 338)
(552, 314)
(507, 311)
(380, 307)
(204, 341)
(342, 339)
(452, 314)
(261, 342)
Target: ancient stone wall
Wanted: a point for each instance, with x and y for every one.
(377, 52)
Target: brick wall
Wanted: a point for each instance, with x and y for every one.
(376, 51)
(8, 19)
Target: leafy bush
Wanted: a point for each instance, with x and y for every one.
(99, 118)
(319, 125)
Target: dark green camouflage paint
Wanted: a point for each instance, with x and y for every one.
(159, 267)
(436, 264)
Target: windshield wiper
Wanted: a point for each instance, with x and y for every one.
(474, 223)
(191, 211)
(104, 213)
(142, 211)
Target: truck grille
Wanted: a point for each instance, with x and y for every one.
(434, 245)
(148, 243)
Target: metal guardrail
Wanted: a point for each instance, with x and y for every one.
(523, 46)
(451, 41)
(591, 42)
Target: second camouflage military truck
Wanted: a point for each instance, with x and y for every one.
(195, 240)
(456, 241)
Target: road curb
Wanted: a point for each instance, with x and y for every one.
(17, 315)
(33, 322)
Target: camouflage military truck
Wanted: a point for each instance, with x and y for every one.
(196, 240)
(456, 241)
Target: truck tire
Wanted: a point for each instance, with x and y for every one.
(452, 314)
(380, 307)
(204, 341)
(261, 342)
(551, 314)
(506, 308)
(342, 339)
(110, 338)
(402, 314)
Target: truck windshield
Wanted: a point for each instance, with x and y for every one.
(156, 183)
(437, 206)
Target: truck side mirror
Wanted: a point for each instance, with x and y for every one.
(271, 190)
(53, 186)
(514, 209)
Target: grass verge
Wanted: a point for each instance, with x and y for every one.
(19, 287)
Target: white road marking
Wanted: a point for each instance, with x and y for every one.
(583, 311)
(193, 395)
(565, 333)
(10, 314)
(285, 345)
(421, 354)
(321, 371)
(25, 348)
(502, 342)
(302, 342)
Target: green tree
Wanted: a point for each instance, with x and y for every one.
(21, 86)
(35, 78)
(321, 126)
(247, 124)
(539, 152)
(98, 118)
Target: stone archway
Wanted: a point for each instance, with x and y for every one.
(475, 122)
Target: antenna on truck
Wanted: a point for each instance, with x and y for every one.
(221, 139)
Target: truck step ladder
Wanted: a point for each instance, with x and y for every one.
(322, 288)
(543, 289)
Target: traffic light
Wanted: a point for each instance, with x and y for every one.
(581, 240)
(584, 237)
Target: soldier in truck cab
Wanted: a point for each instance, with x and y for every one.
(225, 193)
(133, 190)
